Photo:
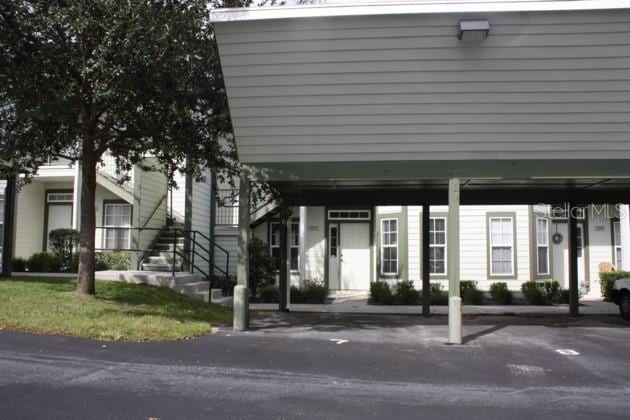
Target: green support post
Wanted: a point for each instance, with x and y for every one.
(574, 304)
(241, 290)
(9, 226)
(454, 300)
(426, 272)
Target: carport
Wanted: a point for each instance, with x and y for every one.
(398, 105)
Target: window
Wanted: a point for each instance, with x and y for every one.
(437, 245)
(60, 197)
(501, 246)
(349, 214)
(117, 217)
(389, 246)
(617, 244)
(294, 243)
(542, 246)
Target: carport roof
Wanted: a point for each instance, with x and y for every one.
(409, 7)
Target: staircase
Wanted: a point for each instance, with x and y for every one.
(161, 256)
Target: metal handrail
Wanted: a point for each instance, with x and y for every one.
(193, 252)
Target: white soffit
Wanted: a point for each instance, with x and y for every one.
(404, 8)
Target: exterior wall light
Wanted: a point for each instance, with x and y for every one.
(473, 30)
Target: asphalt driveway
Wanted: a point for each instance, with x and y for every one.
(330, 366)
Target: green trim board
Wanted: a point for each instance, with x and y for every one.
(491, 170)
(514, 274)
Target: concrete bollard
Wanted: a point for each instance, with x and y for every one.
(455, 320)
(241, 308)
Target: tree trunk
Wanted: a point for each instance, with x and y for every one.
(85, 280)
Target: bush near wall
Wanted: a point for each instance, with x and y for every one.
(113, 260)
(544, 292)
(439, 297)
(44, 262)
(607, 282)
(312, 292)
(469, 292)
(381, 293)
(268, 294)
(406, 294)
(501, 294)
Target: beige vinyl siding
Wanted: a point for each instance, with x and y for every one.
(29, 221)
(315, 246)
(600, 245)
(227, 237)
(149, 190)
(200, 218)
(473, 244)
(543, 85)
(179, 197)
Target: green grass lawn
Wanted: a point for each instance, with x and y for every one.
(120, 311)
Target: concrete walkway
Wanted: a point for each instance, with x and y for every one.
(357, 303)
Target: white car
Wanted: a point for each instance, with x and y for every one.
(621, 296)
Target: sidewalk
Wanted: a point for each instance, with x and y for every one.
(356, 303)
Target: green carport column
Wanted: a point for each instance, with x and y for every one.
(454, 300)
(241, 290)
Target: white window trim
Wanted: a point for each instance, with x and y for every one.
(383, 272)
(491, 246)
(106, 226)
(445, 273)
(539, 245)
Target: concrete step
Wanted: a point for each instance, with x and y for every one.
(159, 267)
(160, 259)
(167, 247)
(196, 290)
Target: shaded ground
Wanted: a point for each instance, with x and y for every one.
(330, 366)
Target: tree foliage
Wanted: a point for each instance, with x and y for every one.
(132, 77)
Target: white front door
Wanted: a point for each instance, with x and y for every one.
(354, 253)
(59, 217)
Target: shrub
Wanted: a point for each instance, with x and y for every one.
(607, 281)
(262, 267)
(113, 260)
(534, 293)
(469, 292)
(380, 293)
(312, 292)
(62, 242)
(18, 264)
(438, 295)
(563, 296)
(224, 283)
(552, 290)
(500, 293)
(268, 294)
(406, 294)
(44, 262)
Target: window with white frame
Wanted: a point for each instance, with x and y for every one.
(117, 218)
(437, 245)
(542, 246)
(389, 246)
(617, 243)
(294, 243)
(501, 246)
